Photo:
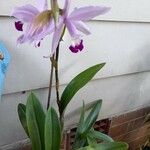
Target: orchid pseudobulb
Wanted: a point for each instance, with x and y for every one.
(41, 22)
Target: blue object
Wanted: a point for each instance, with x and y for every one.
(4, 61)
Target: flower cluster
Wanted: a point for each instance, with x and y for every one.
(36, 22)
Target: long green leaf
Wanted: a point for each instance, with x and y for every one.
(100, 136)
(22, 117)
(81, 121)
(92, 117)
(91, 140)
(35, 121)
(107, 146)
(52, 130)
(84, 126)
(77, 83)
(79, 141)
(77, 111)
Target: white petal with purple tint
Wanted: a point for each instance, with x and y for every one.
(25, 13)
(72, 29)
(56, 36)
(66, 7)
(81, 26)
(20, 39)
(87, 13)
(42, 5)
(46, 30)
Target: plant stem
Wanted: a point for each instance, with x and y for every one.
(56, 75)
(51, 82)
(57, 86)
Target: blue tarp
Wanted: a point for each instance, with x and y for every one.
(3, 65)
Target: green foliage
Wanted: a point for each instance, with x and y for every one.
(92, 117)
(86, 124)
(35, 122)
(107, 146)
(86, 135)
(44, 130)
(52, 130)
(77, 83)
(100, 136)
(22, 117)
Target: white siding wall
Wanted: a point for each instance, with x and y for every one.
(121, 39)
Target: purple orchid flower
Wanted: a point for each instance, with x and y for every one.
(37, 19)
(74, 23)
(40, 23)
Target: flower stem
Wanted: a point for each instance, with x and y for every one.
(57, 87)
(51, 82)
(56, 75)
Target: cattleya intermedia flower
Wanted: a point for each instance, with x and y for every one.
(40, 21)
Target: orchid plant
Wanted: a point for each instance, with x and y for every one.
(45, 129)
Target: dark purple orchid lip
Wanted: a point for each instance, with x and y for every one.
(77, 48)
(19, 25)
(39, 44)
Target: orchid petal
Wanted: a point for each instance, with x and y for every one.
(46, 30)
(24, 38)
(36, 35)
(25, 13)
(42, 5)
(87, 13)
(56, 36)
(20, 39)
(81, 26)
(72, 29)
(66, 7)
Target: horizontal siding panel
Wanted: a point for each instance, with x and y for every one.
(122, 10)
(123, 46)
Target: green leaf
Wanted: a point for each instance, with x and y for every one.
(92, 117)
(79, 141)
(107, 146)
(85, 126)
(77, 83)
(52, 130)
(35, 121)
(100, 136)
(77, 111)
(81, 121)
(22, 117)
(91, 140)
